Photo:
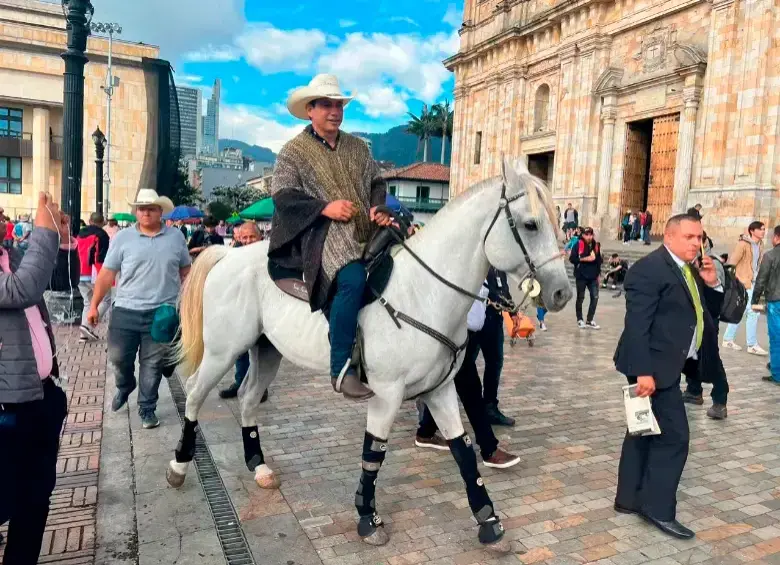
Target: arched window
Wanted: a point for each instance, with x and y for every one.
(541, 108)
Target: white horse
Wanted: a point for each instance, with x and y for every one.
(230, 305)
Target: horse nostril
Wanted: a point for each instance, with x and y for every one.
(560, 296)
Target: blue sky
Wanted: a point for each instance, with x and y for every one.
(387, 52)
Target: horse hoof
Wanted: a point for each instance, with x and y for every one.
(266, 478)
(490, 533)
(174, 479)
(378, 537)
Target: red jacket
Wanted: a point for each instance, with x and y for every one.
(92, 246)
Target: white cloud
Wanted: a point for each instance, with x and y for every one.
(254, 125)
(347, 23)
(379, 101)
(271, 50)
(188, 80)
(213, 54)
(409, 62)
(452, 16)
(404, 19)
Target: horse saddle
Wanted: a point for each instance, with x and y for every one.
(377, 256)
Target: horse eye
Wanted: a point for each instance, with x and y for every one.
(531, 225)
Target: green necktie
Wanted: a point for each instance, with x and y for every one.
(688, 273)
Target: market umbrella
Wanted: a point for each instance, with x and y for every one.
(183, 213)
(234, 219)
(123, 217)
(260, 210)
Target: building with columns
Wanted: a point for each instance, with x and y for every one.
(626, 104)
(32, 35)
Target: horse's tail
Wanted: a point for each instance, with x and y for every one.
(189, 350)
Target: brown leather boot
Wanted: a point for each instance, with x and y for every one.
(350, 386)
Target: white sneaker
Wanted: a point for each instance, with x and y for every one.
(756, 350)
(731, 345)
(593, 326)
(543, 326)
(581, 324)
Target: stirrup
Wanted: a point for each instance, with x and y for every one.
(342, 374)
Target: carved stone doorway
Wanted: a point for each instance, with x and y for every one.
(541, 165)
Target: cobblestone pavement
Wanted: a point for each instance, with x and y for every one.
(69, 538)
(556, 504)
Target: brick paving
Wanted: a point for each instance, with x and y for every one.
(69, 538)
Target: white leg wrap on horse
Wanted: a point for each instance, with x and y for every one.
(180, 468)
(265, 477)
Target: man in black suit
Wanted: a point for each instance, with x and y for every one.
(669, 314)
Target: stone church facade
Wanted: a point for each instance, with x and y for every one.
(626, 104)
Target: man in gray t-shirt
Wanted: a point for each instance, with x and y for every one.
(148, 261)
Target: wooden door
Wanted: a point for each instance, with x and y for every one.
(663, 158)
(634, 171)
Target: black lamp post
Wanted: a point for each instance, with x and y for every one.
(100, 147)
(78, 14)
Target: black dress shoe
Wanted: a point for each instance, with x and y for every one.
(672, 527)
(230, 392)
(689, 398)
(497, 418)
(620, 509)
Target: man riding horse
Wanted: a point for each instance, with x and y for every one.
(325, 188)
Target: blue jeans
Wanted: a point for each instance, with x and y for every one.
(540, 314)
(350, 283)
(242, 367)
(773, 323)
(750, 325)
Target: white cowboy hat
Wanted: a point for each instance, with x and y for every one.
(149, 197)
(321, 86)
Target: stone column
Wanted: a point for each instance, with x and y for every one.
(684, 165)
(40, 158)
(608, 118)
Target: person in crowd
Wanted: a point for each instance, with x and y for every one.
(586, 258)
(112, 228)
(710, 367)
(646, 221)
(151, 261)
(669, 315)
(202, 238)
(32, 405)
(541, 314)
(746, 257)
(62, 296)
(8, 237)
(22, 232)
(93, 242)
(490, 340)
(571, 220)
(183, 228)
(625, 225)
(326, 187)
(616, 273)
(767, 286)
(559, 216)
(470, 393)
(222, 229)
(636, 227)
(574, 240)
(695, 211)
(246, 234)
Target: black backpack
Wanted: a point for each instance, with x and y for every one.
(735, 297)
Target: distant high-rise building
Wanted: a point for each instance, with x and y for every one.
(211, 122)
(191, 120)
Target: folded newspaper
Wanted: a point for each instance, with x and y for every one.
(639, 414)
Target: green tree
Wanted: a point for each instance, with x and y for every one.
(182, 193)
(424, 127)
(237, 197)
(219, 210)
(443, 118)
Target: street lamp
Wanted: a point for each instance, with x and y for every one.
(111, 82)
(100, 146)
(78, 15)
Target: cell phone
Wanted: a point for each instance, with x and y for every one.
(700, 262)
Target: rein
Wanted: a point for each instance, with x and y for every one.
(397, 315)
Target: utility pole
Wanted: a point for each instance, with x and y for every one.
(78, 14)
(111, 83)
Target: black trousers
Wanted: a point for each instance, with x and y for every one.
(490, 340)
(651, 466)
(593, 289)
(720, 383)
(470, 393)
(29, 441)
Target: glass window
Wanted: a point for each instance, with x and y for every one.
(11, 122)
(423, 193)
(10, 175)
(393, 190)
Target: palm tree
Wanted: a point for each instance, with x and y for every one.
(423, 126)
(443, 118)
